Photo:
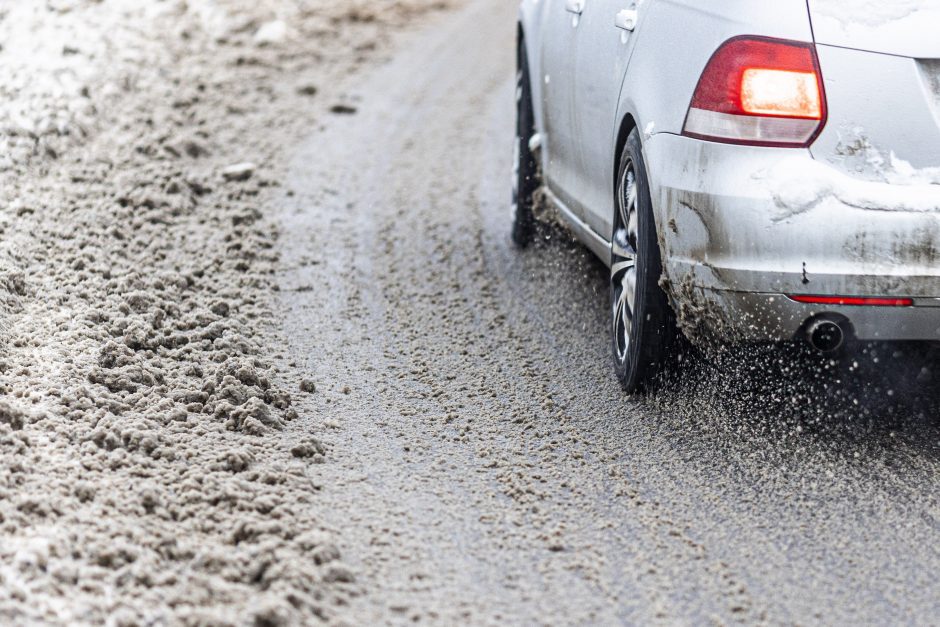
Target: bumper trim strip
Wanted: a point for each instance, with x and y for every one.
(853, 301)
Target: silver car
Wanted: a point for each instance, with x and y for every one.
(750, 171)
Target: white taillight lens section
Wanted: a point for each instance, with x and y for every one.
(759, 91)
(779, 92)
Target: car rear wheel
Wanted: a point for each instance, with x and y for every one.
(644, 328)
(525, 175)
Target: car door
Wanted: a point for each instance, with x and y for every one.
(562, 21)
(604, 43)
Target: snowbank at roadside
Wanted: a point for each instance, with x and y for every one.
(144, 475)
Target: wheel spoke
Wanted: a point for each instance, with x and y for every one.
(618, 313)
(621, 246)
(626, 194)
(629, 289)
(621, 266)
(621, 329)
(624, 316)
(624, 214)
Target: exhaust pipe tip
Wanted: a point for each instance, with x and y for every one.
(825, 335)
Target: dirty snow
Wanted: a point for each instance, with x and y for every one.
(273, 32)
(799, 184)
(149, 473)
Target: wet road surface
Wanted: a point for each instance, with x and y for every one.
(484, 464)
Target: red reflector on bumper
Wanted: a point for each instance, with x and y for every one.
(854, 301)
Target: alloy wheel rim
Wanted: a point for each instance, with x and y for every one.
(623, 272)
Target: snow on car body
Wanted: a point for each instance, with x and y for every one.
(791, 153)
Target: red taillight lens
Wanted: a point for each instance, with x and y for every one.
(759, 91)
(856, 301)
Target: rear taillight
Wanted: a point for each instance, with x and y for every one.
(759, 91)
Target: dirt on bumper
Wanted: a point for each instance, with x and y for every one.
(744, 227)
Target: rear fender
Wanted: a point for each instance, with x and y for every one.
(677, 38)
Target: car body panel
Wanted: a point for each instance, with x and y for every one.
(660, 79)
(884, 114)
(602, 53)
(905, 28)
(557, 75)
(659, 82)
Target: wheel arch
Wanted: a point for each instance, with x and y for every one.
(627, 124)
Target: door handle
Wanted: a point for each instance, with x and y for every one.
(626, 19)
(574, 6)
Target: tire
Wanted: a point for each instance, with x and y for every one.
(525, 176)
(643, 324)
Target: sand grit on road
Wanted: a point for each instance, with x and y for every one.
(145, 475)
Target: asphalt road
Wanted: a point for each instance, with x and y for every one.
(485, 467)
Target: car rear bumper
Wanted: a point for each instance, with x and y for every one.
(743, 227)
(757, 316)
